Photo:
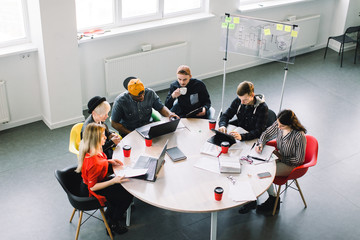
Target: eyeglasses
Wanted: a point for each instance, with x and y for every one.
(249, 160)
(232, 179)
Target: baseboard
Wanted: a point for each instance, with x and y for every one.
(18, 123)
(64, 122)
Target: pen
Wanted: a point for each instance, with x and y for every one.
(256, 158)
(253, 146)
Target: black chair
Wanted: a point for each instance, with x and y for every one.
(271, 118)
(351, 35)
(70, 182)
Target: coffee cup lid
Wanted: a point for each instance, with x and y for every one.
(219, 190)
(225, 144)
(127, 147)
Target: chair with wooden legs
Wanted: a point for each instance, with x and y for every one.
(310, 160)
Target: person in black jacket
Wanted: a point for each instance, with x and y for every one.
(251, 112)
(99, 110)
(188, 94)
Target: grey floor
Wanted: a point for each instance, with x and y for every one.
(324, 96)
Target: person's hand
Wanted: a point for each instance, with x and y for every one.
(222, 129)
(173, 116)
(119, 179)
(202, 113)
(259, 148)
(236, 135)
(176, 93)
(115, 162)
(115, 138)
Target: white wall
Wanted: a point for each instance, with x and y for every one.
(28, 79)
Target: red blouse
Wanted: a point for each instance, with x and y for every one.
(94, 170)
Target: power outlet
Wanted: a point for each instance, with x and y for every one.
(24, 55)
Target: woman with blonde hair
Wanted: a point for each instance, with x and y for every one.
(95, 169)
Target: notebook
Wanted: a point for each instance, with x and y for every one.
(175, 154)
(157, 129)
(152, 164)
(221, 137)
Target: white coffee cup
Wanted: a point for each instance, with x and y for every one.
(183, 90)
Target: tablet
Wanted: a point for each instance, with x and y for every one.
(194, 112)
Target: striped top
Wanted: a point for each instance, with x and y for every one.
(292, 146)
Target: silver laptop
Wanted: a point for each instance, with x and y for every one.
(152, 164)
(157, 129)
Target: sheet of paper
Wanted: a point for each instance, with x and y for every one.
(210, 149)
(130, 172)
(265, 154)
(208, 163)
(241, 191)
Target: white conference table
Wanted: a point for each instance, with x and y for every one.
(182, 187)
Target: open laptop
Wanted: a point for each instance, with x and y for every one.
(152, 164)
(157, 129)
(221, 137)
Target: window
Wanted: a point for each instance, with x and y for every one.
(113, 13)
(13, 22)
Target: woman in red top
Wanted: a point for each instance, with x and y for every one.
(95, 171)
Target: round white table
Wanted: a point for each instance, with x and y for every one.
(182, 187)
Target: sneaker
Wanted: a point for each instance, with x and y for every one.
(247, 207)
(118, 228)
(268, 205)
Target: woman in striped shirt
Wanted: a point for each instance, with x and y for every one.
(291, 145)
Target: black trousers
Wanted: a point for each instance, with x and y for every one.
(118, 201)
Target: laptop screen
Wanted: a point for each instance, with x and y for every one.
(161, 158)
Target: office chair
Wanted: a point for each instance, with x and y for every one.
(75, 138)
(271, 118)
(346, 38)
(311, 154)
(70, 182)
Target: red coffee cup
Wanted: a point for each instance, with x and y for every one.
(148, 141)
(127, 150)
(225, 147)
(218, 193)
(212, 124)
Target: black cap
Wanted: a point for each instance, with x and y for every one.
(94, 102)
(126, 82)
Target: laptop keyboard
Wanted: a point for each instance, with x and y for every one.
(144, 162)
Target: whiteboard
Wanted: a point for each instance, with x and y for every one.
(259, 38)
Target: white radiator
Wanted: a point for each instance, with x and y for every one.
(308, 34)
(4, 107)
(155, 68)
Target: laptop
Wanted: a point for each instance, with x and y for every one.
(152, 164)
(157, 129)
(194, 112)
(221, 137)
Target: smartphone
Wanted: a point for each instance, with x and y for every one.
(264, 175)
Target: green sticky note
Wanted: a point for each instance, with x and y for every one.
(224, 25)
(294, 33)
(228, 19)
(279, 27)
(231, 26)
(267, 31)
(236, 20)
(287, 28)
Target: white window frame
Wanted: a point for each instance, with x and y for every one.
(26, 38)
(120, 22)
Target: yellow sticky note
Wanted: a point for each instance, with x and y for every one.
(294, 33)
(236, 20)
(267, 31)
(279, 27)
(287, 28)
(228, 19)
(224, 25)
(231, 26)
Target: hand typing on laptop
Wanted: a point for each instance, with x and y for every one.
(236, 135)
